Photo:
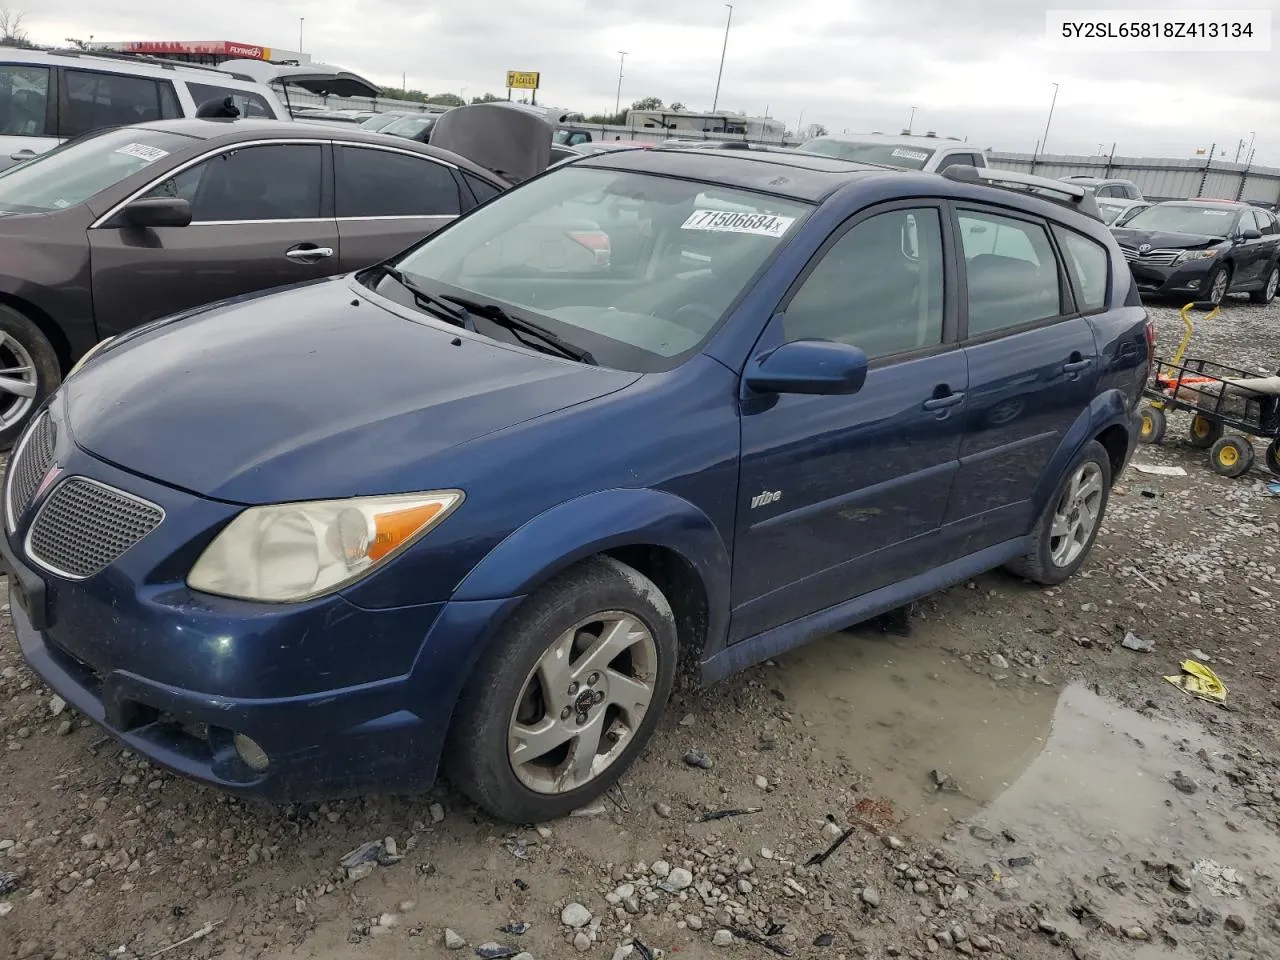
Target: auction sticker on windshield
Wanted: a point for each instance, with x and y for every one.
(143, 152)
(757, 224)
(905, 154)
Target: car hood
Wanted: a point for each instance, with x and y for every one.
(318, 391)
(1160, 240)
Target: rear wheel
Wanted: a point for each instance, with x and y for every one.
(1067, 529)
(1272, 457)
(29, 372)
(1268, 291)
(1153, 425)
(1231, 456)
(568, 696)
(1204, 433)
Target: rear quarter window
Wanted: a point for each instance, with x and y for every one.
(1088, 265)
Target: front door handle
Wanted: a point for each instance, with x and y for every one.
(308, 253)
(941, 403)
(1075, 366)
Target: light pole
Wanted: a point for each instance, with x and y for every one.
(911, 123)
(617, 104)
(723, 50)
(300, 20)
(1044, 142)
(1252, 135)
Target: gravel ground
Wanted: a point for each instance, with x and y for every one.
(1000, 776)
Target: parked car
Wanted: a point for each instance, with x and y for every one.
(380, 120)
(49, 96)
(415, 126)
(1108, 187)
(930, 154)
(1115, 213)
(137, 222)
(1203, 250)
(467, 507)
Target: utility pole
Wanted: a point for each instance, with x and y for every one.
(1204, 177)
(617, 104)
(300, 21)
(911, 123)
(723, 50)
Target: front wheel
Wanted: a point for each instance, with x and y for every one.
(1153, 424)
(1231, 456)
(1218, 282)
(1067, 529)
(1268, 291)
(568, 696)
(29, 372)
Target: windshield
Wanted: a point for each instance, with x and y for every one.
(74, 172)
(890, 154)
(636, 269)
(381, 120)
(409, 126)
(1178, 218)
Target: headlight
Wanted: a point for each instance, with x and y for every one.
(1186, 255)
(87, 355)
(296, 551)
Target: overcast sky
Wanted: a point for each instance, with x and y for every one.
(980, 69)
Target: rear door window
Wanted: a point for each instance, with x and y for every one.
(1011, 270)
(249, 104)
(94, 100)
(24, 100)
(385, 183)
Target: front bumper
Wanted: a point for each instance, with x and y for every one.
(342, 699)
(1183, 278)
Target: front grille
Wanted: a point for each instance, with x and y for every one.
(1159, 258)
(31, 461)
(85, 526)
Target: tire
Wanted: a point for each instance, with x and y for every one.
(1231, 456)
(1213, 280)
(1203, 432)
(1152, 425)
(1268, 291)
(505, 693)
(24, 348)
(1272, 457)
(1048, 563)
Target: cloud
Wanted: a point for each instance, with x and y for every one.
(976, 68)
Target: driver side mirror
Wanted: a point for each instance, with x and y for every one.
(1250, 235)
(158, 212)
(809, 366)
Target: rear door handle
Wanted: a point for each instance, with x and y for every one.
(941, 403)
(308, 253)
(1075, 366)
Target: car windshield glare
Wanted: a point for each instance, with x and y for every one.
(72, 173)
(1203, 221)
(889, 154)
(635, 268)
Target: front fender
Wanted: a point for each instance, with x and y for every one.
(591, 524)
(1108, 409)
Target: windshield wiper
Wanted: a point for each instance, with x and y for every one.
(518, 325)
(438, 305)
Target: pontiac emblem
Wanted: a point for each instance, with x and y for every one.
(1144, 248)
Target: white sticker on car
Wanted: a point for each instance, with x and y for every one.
(143, 152)
(1217, 213)
(757, 224)
(905, 154)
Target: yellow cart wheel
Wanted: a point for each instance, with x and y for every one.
(1153, 425)
(1204, 432)
(1231, 456)
(1272, 457)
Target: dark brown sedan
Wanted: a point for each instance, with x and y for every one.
(140, 222)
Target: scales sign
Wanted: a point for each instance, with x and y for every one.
(522, 80)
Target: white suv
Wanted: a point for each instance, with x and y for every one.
(48, 96)
(929, 153)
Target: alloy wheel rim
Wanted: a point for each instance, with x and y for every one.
(18, 385)
(1219, 286)
(1273, 281)
(1076, 516)
(582, 703)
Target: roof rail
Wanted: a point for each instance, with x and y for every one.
(163, 62)
(1057, 191)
